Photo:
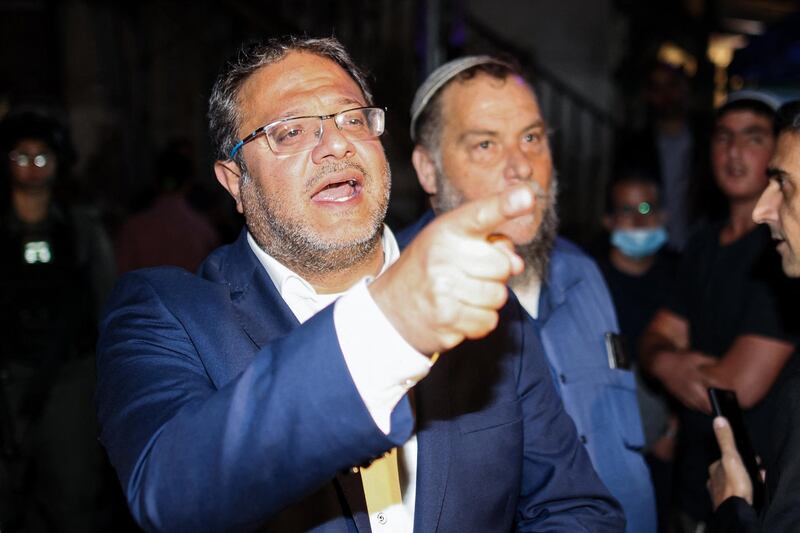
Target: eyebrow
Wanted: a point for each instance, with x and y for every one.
(539, 123)
(296, 112)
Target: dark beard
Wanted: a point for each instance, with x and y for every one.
(291, 243)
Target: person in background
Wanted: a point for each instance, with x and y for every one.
(170, 231)
(55, 273)
(667, 148)
(730, 487)
(640, 271)
(723, 325)
(479, 131)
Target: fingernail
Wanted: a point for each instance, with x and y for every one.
(720, 422)
(521, 198)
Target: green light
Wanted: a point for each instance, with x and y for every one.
(644, 208)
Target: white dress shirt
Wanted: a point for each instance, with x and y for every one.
(528, 295)
(382, 376)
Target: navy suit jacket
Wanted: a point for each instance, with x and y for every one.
(221, 413)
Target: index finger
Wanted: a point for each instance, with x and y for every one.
(725, 438)
(479, 218)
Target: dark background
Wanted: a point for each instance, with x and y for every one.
(128, 77)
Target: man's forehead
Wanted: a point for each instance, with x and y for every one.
(742, 119)
(31, 143)
(299, 83)
(483, 99)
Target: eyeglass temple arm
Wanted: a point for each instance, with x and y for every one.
(236, 149)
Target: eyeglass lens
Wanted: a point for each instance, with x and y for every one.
(25, 160)
(295, 135)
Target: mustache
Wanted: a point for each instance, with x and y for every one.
(538, 191)
(332, 167)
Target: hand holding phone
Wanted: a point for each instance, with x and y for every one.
(724, 403)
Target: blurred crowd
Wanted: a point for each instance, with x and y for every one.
(696, 285)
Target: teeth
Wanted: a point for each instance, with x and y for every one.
(351, 183)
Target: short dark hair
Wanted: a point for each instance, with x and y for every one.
(429, 124)
(788, 119)
(224, 115)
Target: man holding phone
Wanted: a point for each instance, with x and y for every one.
(729, 484)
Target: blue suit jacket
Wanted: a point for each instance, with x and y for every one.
(221, 413)
(575, 312)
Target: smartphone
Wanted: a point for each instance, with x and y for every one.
(724, 403)
(616, 352)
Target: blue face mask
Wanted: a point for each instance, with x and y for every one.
(640, 242)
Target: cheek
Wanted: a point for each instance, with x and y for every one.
(760, 160)
(624, 224)
(285, 176)
(473, 183)
(789, 217)
(717, 159)
(543, 169)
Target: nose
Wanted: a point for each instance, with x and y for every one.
(734, 147)
(518, 166)
(332, 143)
(766, 210)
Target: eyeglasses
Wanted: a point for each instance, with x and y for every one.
(296, 134)
(25, 160)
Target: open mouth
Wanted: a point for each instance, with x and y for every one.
(338, 190)
(736, 171)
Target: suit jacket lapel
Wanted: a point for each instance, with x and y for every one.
(434, 436)
(353, 492)
(263, 315)
(261, 311)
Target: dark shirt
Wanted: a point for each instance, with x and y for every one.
(637, 298)
(725, 292)
(781, 514)
(46, 291)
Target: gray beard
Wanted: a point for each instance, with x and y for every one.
(536, 253)
(290, 241)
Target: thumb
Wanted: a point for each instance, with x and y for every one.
(725, 439)
(481, 217)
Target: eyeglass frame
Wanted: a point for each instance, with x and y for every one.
(263, 129)
(14, 156)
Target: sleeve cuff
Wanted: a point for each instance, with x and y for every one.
(382, 364)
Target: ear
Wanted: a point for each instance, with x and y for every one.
(426, 169)
(229, 176)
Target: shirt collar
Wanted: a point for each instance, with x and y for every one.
(293, 288)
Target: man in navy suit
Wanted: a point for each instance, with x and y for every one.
(239, 399)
